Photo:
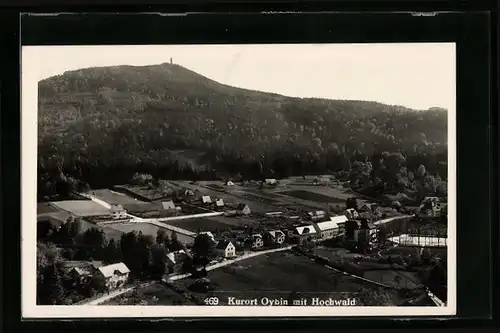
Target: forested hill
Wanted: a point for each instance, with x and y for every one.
(170, 121)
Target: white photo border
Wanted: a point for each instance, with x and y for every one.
(30, 310)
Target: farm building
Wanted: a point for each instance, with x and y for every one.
(111, 276)
(419, 241)
(229, 183)
(219, 203)
(188, 193)
(275, 237)
(330, 229)
(225, 249)
(206, 199)
(257, 241)
(117, 212)
(351, 214)
(244, 209)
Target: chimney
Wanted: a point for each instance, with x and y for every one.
(170, 61)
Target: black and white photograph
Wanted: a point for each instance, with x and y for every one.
(239, 180)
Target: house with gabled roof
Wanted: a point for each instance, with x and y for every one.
(330, 229)
(118, 212)
(229, 183)
(257, 241)
(206, 199)
(274, 237)
(244, 209)
(219, 203)
(111, 276)
(225, 248)
(302, 233)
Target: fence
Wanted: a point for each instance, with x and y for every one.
(419, 241)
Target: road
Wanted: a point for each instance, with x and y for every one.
(119, 292)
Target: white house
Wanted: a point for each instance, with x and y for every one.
(118, 212)
(112, 276)
(229, 183)
(206, 199)
(244, 209)
(304, 232)
(219, 203)
(226, 249)
(330, 229)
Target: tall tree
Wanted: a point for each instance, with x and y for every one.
(203, 249)
(52, 288)
(175, 245)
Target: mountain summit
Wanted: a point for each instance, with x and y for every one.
(152, 116)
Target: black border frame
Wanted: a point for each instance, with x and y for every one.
(475, 125)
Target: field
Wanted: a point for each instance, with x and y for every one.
(394, 278)
(81, 207)
(406, 251)
(110, 233)
(312, 196)
(156, 294)
(202, 224)
(113, 198)
(373, 270)
(45, 207)
(279, 275)
(147, 229)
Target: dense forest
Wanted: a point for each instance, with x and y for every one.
(100, 126)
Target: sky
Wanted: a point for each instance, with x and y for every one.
(415, 75)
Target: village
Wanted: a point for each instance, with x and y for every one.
(298, 222)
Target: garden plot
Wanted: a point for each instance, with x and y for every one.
(81, 207)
